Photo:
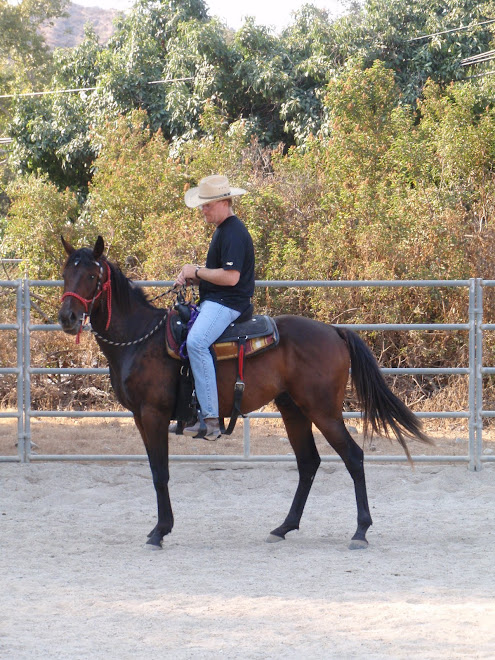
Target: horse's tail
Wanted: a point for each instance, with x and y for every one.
(382, 409)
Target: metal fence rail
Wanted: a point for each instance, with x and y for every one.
(475, 371)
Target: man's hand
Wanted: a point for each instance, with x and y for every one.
(187, 273)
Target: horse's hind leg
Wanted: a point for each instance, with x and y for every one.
(308, 460)
(340, 439)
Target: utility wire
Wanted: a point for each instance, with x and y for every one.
(459, 29)
(478, 59)
(478, 56)
(481, 61)
(84, 89)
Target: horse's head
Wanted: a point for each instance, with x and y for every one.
(85, 277)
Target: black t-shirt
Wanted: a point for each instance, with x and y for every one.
(231, 248)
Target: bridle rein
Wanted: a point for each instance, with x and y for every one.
(88, 304)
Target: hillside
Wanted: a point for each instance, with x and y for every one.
(69, 31)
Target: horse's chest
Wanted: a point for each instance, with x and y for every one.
(139, 379)
(122, 377)
(118, 384)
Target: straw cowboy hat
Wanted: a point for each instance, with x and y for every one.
(211, 189)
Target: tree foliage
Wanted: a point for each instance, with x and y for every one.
(276, 84)
(378, 194)
(389, 32)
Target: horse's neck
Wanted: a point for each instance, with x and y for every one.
(124, 326)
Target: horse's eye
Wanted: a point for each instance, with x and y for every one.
(92, 277)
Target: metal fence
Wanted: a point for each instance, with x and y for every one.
(19, 371)
(474, 371)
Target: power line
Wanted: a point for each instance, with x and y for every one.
(479, 59)
(459, 29)
(84, 89)
(156, 82)
(52, 91)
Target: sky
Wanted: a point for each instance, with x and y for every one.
(271, 13)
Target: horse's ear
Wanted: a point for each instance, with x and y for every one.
(68, 247)
(98, 248)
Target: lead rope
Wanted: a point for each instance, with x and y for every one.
(135, 341)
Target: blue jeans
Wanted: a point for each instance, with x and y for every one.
(212, 320)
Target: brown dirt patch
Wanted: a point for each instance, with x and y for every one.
(65, 436)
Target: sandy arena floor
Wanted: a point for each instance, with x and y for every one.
(79, 582)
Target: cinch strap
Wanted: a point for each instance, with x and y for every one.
(238, 389)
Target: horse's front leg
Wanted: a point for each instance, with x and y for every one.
(153, 427)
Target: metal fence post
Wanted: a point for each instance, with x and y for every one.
(476, 462)
(27, 372)
(473, 412)
(17, 371)
(472, 371)
(246, 434)
(21, 445)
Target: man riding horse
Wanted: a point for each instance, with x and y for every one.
(226, 285)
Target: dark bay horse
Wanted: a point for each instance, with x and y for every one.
(305, 374)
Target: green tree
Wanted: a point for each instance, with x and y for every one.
(312, 46)
(385, 32)
(276, 85)
(51, 136)
(156, 41)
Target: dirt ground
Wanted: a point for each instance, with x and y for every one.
(78, 580)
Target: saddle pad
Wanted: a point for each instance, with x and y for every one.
(226, 350)
(260, 333)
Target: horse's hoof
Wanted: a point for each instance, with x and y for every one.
(155, 545)
(358, 544)
(273, 538)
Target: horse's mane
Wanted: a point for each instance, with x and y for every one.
(127, 294)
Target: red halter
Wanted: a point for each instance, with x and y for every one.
(106, 287)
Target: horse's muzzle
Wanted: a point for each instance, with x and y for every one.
(70, 322)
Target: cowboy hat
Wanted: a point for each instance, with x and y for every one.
(211, 189)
